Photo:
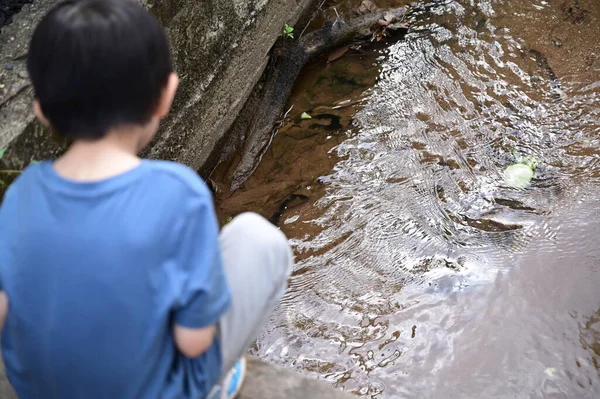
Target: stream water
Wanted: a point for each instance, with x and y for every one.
(421, 273)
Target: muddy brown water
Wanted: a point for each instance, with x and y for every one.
(420, 273)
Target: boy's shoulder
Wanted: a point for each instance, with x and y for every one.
(180, 175)
(172, 179)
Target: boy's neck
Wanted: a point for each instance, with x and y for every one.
(112, 155)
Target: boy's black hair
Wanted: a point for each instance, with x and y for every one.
(98, 64)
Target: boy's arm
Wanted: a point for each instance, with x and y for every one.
(3, 309)
(204, 294)
(193, 342)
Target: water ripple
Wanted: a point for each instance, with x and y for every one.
(424, 258)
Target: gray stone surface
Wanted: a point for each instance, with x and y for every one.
(220, 47)
(26, 140)
(266, 381)
(263, 381)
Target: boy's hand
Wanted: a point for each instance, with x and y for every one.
(3, 309)
(192, 342)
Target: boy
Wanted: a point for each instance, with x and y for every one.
(115, 282)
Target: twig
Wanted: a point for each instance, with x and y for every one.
(338, 15)
(288, 111)
(319, 8)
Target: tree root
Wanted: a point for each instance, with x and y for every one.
(288, 61)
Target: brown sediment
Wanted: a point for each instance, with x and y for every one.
(259, 117)
(287, 183)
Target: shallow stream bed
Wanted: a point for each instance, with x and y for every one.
(421, 273)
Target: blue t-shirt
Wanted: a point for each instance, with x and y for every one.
(97, 274)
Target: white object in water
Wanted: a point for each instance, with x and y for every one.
(518, 175)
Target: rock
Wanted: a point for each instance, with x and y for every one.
(266, 381)
(389, 17)
(221, 48)
(8, 8)
(366, 6)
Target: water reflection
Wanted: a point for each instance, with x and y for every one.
(422, 273)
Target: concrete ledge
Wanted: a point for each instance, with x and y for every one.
(267, 381)
(264, 381)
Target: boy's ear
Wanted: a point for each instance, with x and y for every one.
(166, 98)
(37, 110)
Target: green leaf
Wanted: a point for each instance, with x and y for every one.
(288, 32)
(518, 175)
(305, 116)
(2, 151)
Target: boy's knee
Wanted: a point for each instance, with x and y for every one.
(255, 228)
(263, 236)
(249, 220)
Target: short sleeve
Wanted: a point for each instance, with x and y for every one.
(6, 216)
(204, 296)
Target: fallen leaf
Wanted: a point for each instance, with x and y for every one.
(366, 7)
(305, 116)
(389, 17)
(337, 53)
(398, 26)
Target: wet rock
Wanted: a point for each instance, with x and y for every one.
(575, 14)
(557, 42)
(220, 47)
(8, 8)
(366, 7)
(264, 381)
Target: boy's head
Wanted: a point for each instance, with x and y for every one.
(97, 65)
